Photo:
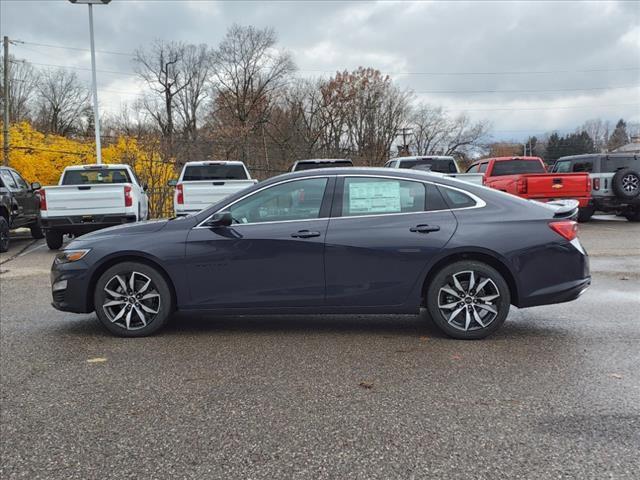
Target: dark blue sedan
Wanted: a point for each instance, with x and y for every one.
(342, 240)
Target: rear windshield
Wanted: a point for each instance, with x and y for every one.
(96, 176)
(514, 167)
(314, 165)
(439, 165)
(214, 172)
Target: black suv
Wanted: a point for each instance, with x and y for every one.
(615, 182)
(19, 206)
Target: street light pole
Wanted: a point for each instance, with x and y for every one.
(94, 84)
(94, 81)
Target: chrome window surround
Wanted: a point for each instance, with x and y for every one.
(479, 202)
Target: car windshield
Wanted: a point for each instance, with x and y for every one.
(214, 171)
(439, 165)
(96, 176)
(514, 167)
(314, 165)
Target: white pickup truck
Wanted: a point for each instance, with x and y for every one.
(438, 164)
(204, 183)
(91, 197)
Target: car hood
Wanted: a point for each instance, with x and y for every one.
(148, 226)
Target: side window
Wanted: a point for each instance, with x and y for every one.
(483, 167)
(8, 180)
(586, 166)
(20, 181)
(297, 200)
(473, 169)
(562, 167)
(371, 196)
(457, 199)
(434, 199)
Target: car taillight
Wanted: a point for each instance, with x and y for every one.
(43, 200)
(588, 183)
(521, 185)
(180, 192)
(128, 199)
(566, 228)
(596, 184)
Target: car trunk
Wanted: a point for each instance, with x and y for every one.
(73, 200)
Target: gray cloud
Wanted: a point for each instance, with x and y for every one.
(402, 38)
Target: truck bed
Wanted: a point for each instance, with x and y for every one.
(74, 200)
(199, 194)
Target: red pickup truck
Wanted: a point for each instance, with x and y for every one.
(527, 177)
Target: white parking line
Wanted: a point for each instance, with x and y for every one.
(37, 247)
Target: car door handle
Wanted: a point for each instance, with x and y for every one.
(425, 228)
(305, 234)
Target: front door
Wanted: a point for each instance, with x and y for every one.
(382, 234)
(271, 256)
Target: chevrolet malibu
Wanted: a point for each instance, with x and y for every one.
(341, 240)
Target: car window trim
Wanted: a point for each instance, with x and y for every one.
(480, 203)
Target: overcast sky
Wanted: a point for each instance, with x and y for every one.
(583, 58)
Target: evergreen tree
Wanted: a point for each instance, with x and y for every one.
(619, 137)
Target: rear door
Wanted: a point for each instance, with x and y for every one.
(25, 197)
(382, 233)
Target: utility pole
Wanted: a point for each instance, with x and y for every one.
(5, 122)
(405, 131)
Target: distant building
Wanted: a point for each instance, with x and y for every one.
(633, 147)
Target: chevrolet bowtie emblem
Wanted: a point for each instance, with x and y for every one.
(557, 185)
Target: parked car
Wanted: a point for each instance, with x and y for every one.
(204, 183)
(615, 180)
(19, 205)
(444, 165)
(314, 163)
(340, 240)
(91, 197)
(527, 177)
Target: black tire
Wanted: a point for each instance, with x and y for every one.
(585, 214)
(36, 230)
(633, 216)
(54, 239)
(626, 184)
(135, 316)
(4, 235)
(459, 306)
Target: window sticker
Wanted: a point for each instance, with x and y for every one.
(374, 197)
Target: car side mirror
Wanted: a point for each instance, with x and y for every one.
(220, 219)
(172, 183)
(36, 186)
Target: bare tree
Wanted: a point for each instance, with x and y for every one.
(599, 131)
(22, 85)
(196, 64)
(248, 70)
(161, 66)
(62, 102)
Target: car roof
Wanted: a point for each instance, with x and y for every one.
(323, 160)
(96, 166)
(595, 155)
(424, 157)
(214, 162)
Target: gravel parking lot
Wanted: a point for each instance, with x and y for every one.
(554, 394)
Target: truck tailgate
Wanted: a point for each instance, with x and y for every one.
(199, 194)
(94, 199)
(563, 185)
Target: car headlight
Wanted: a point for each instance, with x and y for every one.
(68, 256)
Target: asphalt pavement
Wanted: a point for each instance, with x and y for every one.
(554, 394)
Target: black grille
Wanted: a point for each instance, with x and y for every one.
(58, 296)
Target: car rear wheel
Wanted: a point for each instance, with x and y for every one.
(585, 214)
(468, 300)
(132, 299)
(633, 216)
(36, 230)
(4, 235)
(54, 239)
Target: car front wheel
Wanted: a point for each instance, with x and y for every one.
(4, 234)
(468, 300)
(132, 299)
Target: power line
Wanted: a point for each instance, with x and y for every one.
(531, 91)
(79, 49)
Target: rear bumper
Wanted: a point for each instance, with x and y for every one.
(85, 223)
(564, 292)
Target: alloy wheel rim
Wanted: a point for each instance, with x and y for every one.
(630, 183)
(131, 300)
(468, 301)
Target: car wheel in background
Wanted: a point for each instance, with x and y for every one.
(585, 213)
(626, 184)
(132, 299)
(633, 215)
(468, 300)
(54, 239)
(36, 230)
(4, 235)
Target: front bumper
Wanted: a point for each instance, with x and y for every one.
(74, 297)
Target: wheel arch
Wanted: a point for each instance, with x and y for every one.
(128, 257)
(480, 256)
